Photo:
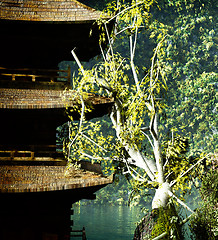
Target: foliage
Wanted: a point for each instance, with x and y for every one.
(191, 64)
(99, 5)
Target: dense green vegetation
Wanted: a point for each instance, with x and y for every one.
(191, 64)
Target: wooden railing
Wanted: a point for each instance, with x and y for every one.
(42, 75)
(79, 233)
(31, 153)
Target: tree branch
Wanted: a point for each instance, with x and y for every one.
(186, 219)
(132, 52)
(80, 126)
(130, 170)
(134, 46)
(174, 182)
(180, 201)
(148, 138)
(126, 28)
(124, 10)
(95, 158)
(109, 41)
(154, 56)
(160, 236)
(93, 142)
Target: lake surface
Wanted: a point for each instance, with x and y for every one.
(106, 222)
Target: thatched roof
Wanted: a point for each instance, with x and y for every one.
(43, 99)
(50, 10)
(15, 179)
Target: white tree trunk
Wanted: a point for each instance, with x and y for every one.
(161, 196)
(142, 162)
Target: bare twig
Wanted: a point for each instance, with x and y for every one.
(154, 56)
(94, 142)
(102, 52)
(148, 138)
(169, 174)
(78, 62)
(127, 28)
(180, 201)
(131, 171)
(187, 219)
(109, 40)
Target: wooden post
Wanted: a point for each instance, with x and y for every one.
(12, 155)
(83, 234)
(68, 75)
(32, 155)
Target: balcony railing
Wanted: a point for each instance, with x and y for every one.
(35, 75)
(27, 154)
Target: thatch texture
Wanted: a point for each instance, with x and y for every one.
(46, 178)
(42, 99)
(50, 10)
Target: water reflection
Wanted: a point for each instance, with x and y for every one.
(106, 222)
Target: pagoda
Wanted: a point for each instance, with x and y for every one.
(36, 194)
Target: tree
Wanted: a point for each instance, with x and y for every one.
(138, 149)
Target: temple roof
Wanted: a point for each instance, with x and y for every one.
(43, 99)
(41, 34)
(15, 179)
(50, 10)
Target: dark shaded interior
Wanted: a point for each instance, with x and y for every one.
(26, 44)
(40, 216)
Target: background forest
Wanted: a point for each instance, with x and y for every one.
(190, 57)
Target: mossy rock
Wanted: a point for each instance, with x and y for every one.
(203, 225)
(167, 220)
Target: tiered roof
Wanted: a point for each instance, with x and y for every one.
(43, 99)
(40, 34)
(50, 10)
(15, 179)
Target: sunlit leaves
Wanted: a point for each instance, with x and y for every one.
(87, 142)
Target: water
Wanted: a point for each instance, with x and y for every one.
(106, 222)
